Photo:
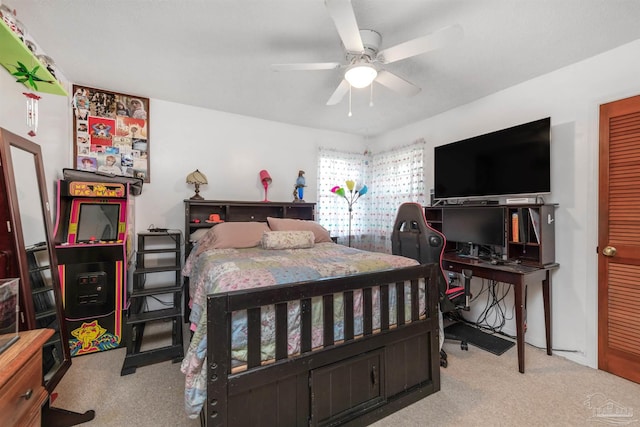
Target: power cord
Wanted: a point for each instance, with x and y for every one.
(495, 307)
(153, 229)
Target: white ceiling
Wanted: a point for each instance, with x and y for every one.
(216, 54)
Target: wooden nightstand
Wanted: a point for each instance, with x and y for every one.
(21, 391)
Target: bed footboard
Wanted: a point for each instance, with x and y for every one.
(355, 380)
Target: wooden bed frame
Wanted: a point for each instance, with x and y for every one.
(355, 381)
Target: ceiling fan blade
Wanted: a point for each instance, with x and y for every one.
(339, 93)
(441, 38)
(397, 84)
(311, 66)
(344, 18)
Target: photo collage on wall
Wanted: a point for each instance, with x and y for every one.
(111, 132)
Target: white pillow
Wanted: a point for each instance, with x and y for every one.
(198, 234)
(289, 224)
(287, 239)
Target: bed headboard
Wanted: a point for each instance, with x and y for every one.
(202, 214)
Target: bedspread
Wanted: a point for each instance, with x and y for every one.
(223, 270)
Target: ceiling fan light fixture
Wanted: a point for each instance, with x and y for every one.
(360, 75)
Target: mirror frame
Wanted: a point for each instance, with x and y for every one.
(8, 140)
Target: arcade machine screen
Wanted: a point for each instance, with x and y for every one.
(98, 222)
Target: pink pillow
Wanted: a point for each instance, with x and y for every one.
(233, 235)
(288, 224)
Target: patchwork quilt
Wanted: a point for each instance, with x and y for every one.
(223, 270)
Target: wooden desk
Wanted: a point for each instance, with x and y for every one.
(517, 275)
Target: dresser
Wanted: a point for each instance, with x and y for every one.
(21, 391)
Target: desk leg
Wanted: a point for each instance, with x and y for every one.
(519, 290)
(546, 289)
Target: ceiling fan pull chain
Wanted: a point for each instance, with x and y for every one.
(371, 95)
(350, 102)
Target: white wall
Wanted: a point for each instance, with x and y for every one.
(54, 125)
(571, 97)
(230, 150)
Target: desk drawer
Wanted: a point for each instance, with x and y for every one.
(27, 380)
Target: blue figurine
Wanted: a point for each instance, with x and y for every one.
(298, 191)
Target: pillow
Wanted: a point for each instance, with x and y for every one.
(198, 234)
(233, 235)
(288, 224)
(287, 239)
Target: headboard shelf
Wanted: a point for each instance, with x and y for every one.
(200, 214)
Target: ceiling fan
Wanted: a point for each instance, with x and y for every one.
(364, 59)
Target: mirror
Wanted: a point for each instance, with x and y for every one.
(30, 218)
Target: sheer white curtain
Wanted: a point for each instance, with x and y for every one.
(392, 177)
(397, 176)
(332, 211)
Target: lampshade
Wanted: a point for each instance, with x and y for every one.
(196, 177)
(360, 75)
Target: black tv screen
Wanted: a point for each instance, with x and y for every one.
(98, 221)
(512, 161)
(477, 225)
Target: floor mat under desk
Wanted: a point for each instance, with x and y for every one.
(474, 336)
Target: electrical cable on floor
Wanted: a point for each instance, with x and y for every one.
(495, 307)
(555, 349)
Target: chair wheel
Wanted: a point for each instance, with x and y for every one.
(443, 355)
(444, 363)
(464, 346)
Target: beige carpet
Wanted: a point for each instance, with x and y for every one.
(152, 396)
(481, 389)
(478, 389)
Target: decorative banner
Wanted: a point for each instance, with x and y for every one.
(111, 132)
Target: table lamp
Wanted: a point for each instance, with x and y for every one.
(265, 178)
(197, 178)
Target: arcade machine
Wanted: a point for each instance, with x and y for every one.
(93, 245)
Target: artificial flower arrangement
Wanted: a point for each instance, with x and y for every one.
(351, 195)
(354, 193)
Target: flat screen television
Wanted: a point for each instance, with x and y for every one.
(512, 161)
(98, 221)
(477, 225)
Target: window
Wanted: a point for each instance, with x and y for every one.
(334, 168)
(393, 177)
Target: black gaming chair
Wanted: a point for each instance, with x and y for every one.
(412, 237)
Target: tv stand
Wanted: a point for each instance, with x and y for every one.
(530, 239)
(443, 203)
(481, 202)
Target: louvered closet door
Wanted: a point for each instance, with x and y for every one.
(619, 239)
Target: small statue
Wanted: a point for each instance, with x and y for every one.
(298, 189)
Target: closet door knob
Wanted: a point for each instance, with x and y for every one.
(609, 251)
